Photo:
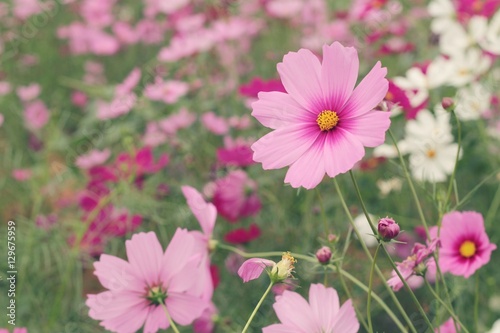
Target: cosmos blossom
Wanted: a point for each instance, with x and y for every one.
(322, 124)
(322, 313)
(465, 246)
(137, 288)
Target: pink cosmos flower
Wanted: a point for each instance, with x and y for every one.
(167, 91)
(36, 115)
(129, 83)
(236, 152)
(92, 158)
(465, 246)
(79, 98)
(16, 330)
(242, 235)
(28, 93)
(182, 119)
(5, 88)
(322, 313)
(322, 123)
(215, 124)
(447, 327)
(150, 277)
(22, 175)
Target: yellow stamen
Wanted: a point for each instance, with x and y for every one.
(468, 249)
(327, 120)
(431, 153)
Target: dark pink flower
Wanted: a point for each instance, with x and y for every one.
(243, 235)
(388, 228)
(235, 153)
(257, 84)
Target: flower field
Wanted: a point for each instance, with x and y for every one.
(302, 166)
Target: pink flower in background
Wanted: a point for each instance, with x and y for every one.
(235, 196)
(174, 122)
(322, 123)
(465, 246)
(169, 7)
(125, 33)
(242, 235)
(322, 313)
(257, 84)
(26, 8)
(150, 277)
(92, 158)
(215, 124)
(5, 88)
(153, 136)
(447, 327)
(1, 119)
(140, 163)
(28, 93)
(129, 83)
(119, 106)
(206, 322)
(36, 115)
(16, 330)
(168, 92)
(236, 152)
(79, 98)
(22, 175)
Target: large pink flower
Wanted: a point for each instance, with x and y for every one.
(465, 246)
(322, 314)
(322, 124)
(137, 288)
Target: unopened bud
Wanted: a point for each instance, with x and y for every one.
(388, 228)
(448, 103)
(324, 255)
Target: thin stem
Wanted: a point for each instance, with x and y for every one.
(368, 254)
(492, 211)
(365, 211)
(257, 307)
(410, 183)
(370, 288)
(450, 311)
(476, 304)
(323, 213)
(172, 324)
(452, 178)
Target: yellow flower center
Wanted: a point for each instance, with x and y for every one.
(468, 249)
(431, 153)
(327, 120)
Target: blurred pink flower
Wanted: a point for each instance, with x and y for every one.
(321, 124)
(235, 196)
(168, 92)
(129, 83)
(125, 33)
(322, 313)
(97, 13)
(5, 88)
(151, 277)
(235, 152)
(465, 246)
(169, 7)
(36, 115)
(119, 106)
(257, 84)
(447, 327)
(16, 330)
(79, 98)
(206, 322)
(215, 124)
(1, 119)
(242, 235)
(92, 158)
(26, 8)
(22, 175)
(28, 93)
(153, 135)
(174, 122)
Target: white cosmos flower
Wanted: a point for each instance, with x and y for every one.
(491, 42)
(443, 13)
(467, 66)
(495, 328)
(365, 231)
(456, 39)
(472, 101)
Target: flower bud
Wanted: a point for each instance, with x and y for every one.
(324, 255)
(447, 103)
(283, 269)
(388, 228)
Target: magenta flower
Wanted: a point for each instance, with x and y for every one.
(465, 246)
(322, 314)
(150, 277)
(447, 327)
(322, 124)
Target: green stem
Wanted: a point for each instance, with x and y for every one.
(323, 213)
(365, 211)
(368, 254)
(370, 288)
(172, 324)
(450, 311)
(410, 183)
(492, 211)
(257, 307)
(452, 178)
(476, 304)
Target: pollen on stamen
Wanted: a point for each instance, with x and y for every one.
(327, 120)
(467, 249)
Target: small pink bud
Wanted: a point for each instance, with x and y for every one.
(324, 255)
(332, 238)
(388, 228)
(447, 103)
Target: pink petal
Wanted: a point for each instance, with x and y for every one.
(157, 319)
(369, 128)
(339, 73)
(205, 212)
(280, 328)
(367, 94)
(253, 268)
(116, 274)
(341, 151)
(345, 320)
(294, 311)
(276, 109)
(284, 146)
(325, 305)
(300, 74)
(184, 308)
(178, 253)
(144, 253)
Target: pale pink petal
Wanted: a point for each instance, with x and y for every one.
(284, 146)
(194, 278)
(345, 320)
(116, 274)
(144, 253)
(339, 73)
(367, 94)
(205, 212)
(300, 74)
(294, 311)
(275, 109)
(309, 170)
(253, 268)
(280, 328)
(184, 308)
(369, 128)
(157, 319)
(341, 151)
(325, 305)
(179, 251)
(128, 322)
